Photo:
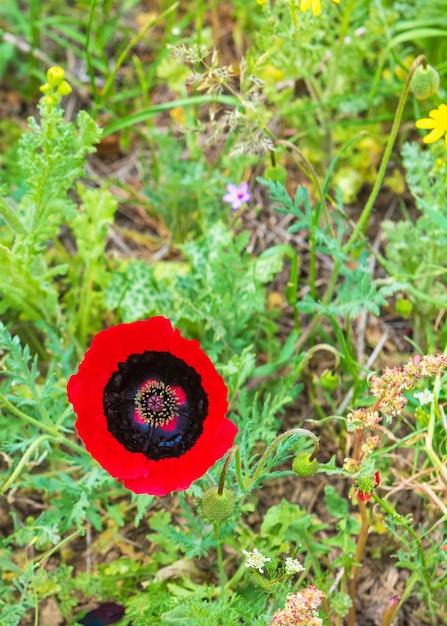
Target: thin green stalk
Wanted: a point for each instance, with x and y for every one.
(275, 443)
(199, 21)
(18, 301)
(364, 217)
(57, 547)
(122, 57)
(391, 611)
(224, 470)
(52, 431)
(36, 443)
(88, 58)
(338, 51)
(236, 577)
(142, 116)
(293, 13)
(316, 214)
(85, 304)
(434, 415)
(312, 174)
(360, 549)
(240, 480)
(36, 605)
(35, 343)
(65, 441)
(27, 418)
(220, 564)
(35, 9)
(42, 410)
(304, 538)
(333, 73)
(401, 521)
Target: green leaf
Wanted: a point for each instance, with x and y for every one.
(336, 505)
(91, 221)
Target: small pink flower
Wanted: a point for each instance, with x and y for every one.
(237, 196)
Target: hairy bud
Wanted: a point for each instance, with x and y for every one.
(425, 82)
(303, 466)
(217, 507)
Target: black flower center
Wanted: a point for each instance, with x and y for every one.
(155, 404)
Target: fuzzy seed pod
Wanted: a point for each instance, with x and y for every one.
(425, 82)
(303, 466)
(217, 507)
(329, 380)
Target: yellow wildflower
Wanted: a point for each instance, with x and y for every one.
(305, 5)
(437, 123)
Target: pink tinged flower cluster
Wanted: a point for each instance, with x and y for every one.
(301, 609)
(370, 444)
(363, 418)
(237, 195)
(389, 387)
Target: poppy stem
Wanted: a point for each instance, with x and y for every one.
(391, 611)
(38, 562)
(364, 217)
(53, 433)
(402, 521)
(276, 442)
(222, 576)
(234, 450)
(360, 549)
(27, 418)
(36, 443)
(240, 480)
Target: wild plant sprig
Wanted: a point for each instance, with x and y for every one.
(51, 156)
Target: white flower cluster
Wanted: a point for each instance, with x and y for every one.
(256, 560)
(293, 566)
(424, 397)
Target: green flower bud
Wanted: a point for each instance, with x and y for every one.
(64, 89)
(303, 466)
(425, 82)
(217, 507)
(55, 75)
(51, 101)
(404, 308)
(422, 416)
(329, 380)
(277, 173)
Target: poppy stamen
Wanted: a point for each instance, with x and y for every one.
(156, 403)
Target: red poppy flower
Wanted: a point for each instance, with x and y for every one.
(150, 406)
(368, 484)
